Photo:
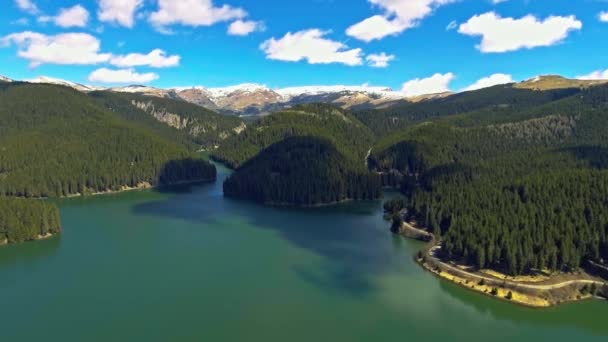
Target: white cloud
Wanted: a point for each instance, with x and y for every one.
(121, 12)
(105, 75)
(193, 13)
(603, 16)
(380, 60)
(490, 81)
(398, 16)
(509, 34)
(28, 6)
(596, 75)
(76, 16)
(66, 48)
(310, 45)
(376, 27)
(496, 2)
(245, 27)
(156, 58)
(438, 83)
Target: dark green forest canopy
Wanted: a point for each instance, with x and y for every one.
(55, 141)
(23, 220)
(494, 102)
(523, 190)
(302, 171)
(351, 138)
(176, 120)
(309, 155)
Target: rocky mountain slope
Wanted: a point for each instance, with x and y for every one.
(550, 82)
(255, 99)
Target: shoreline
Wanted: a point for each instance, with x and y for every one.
(532, 293)
(39, 237)
(298, 206)
(139, 187)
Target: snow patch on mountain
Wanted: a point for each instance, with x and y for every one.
(320, 90)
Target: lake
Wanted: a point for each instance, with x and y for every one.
(187, 264)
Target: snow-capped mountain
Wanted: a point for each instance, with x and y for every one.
(5, 79)
(254, 99)
(141, 89)
(258, 99)
(50, 80)
(320, 90)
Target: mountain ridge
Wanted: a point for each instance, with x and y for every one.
(257, 99)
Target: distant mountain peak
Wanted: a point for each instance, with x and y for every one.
(5, 79)
(57, 81)
(549, 82)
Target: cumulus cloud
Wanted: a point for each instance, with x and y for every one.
(380, 60)
(490, 81)
(244, 27)
(603, 16)
(193, 13)
(76, 16)
(105, 75)
(595, 75)
(27, 6)
(66, 48)
(397, 16)
(508, 34)
(312, 46)
(121, 12)
(438, 83)
(156, 59)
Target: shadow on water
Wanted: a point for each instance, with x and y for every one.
(352, 238)
(582, 315)
(29, 253)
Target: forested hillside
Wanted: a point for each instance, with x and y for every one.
(497, 101)
(176, 120)
(312, 154)
(514, 196)
(351, 137)
(302, 171)
(55, 141)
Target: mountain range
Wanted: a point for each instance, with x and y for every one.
(255, 99)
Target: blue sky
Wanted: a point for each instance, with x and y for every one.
(306, 42)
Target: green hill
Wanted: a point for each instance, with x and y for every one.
(55, 141)
(348, 134)
(301, 171)
(520, 191)
(496, 101)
